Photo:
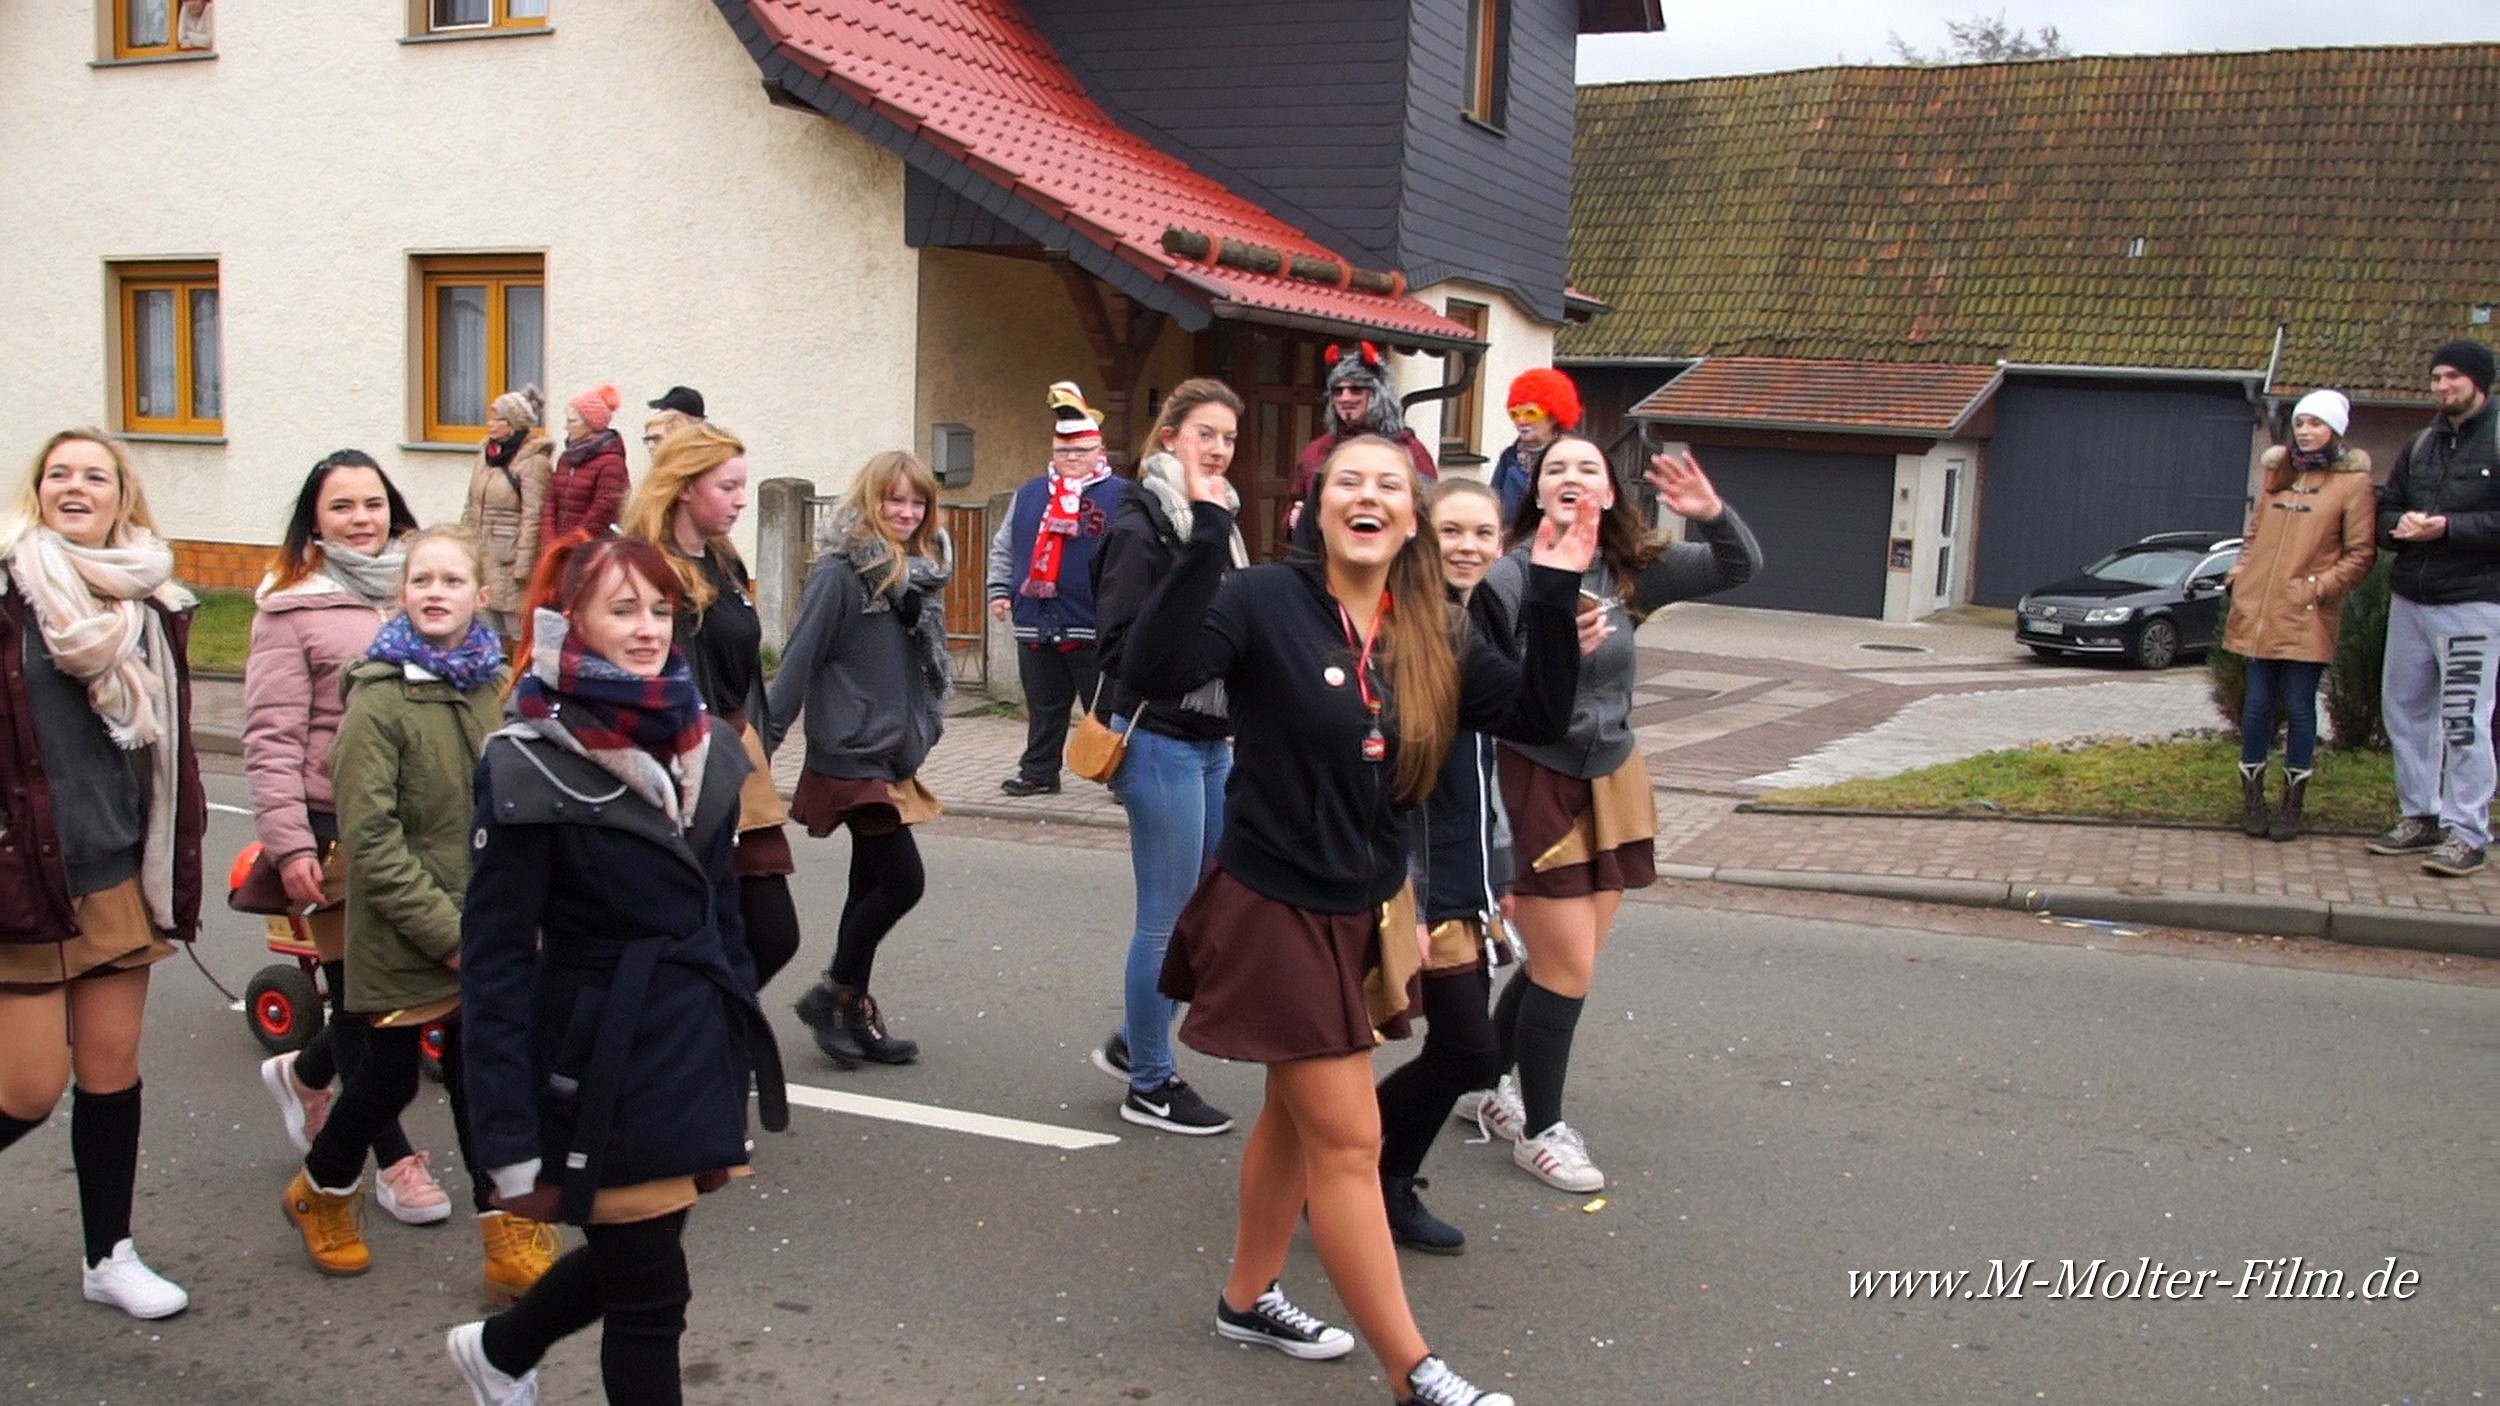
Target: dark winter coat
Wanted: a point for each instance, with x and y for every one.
(1144, 547)
(2447, 469)
(1467, 863)
(1071, 615)
(1307, 821)
(35, 900)
(608, 1005)
(586, 490)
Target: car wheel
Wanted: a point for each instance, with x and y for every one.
(2157, 644)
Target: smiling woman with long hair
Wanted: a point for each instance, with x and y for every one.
(867, 661)
(1347, 677)
(103, 814)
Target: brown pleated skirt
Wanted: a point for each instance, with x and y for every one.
(869, 806)
(1267, 982)
(1574, 837)
(114, 934)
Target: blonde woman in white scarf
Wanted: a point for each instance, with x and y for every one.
(102, 813)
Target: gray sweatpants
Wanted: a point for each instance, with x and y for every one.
(2436, 694)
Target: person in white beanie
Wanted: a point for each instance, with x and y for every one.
(2311, 538)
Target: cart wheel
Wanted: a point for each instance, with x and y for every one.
(284, 1008)
(430, 1047)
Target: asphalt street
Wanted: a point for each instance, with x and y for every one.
(1778, 1099)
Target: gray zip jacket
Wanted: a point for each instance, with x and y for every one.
(1601, 729)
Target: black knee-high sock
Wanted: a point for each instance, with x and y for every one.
(1545, 1025)
(11, 1129)
(886, 883)
(643, 1292)
(318, 1064)
(1506, 1018)
(104, 1143)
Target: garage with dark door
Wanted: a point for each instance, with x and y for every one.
(2078, 469)
(1823, 520)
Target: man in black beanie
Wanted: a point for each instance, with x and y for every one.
(2439, 515)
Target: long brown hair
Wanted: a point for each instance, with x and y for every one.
(1624, 542)
(686, 453)
(1416, 648)
(299, 553)
(866, 505)
(1186, 397)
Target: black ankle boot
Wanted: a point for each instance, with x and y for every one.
(2253, 821)
(2288, 823)
(855, 1012)
(1411, 1225)
(819, 1008)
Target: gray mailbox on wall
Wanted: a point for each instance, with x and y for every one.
(950, 455)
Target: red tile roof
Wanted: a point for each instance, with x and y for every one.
(1777, 393)
(977, 82)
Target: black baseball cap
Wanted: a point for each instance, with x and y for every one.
(685, 400)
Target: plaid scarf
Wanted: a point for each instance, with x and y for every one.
(475, 660)
(2319, 458)
(651, 734)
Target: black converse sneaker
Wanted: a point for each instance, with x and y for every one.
(1175, 1108)
(1111, 1056)
(1434, 1384)
(1274, 1321)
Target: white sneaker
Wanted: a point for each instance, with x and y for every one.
(304, 1114)
(124, 1281)
(487, 1385)
(1559, 1158)
(1495, 1114)
(1434, 1384)
(409, 1192)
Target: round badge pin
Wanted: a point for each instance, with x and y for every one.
(1334, 675)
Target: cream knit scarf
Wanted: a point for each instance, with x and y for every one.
(91, 605)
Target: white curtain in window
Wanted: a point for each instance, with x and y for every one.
(148, 24)
(460, 355)
(450, 14)
(528, 9)
(208, 375)
(152, 359)
(524, 336)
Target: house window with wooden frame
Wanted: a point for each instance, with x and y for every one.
(1460, 431)
(479, 16)
(483, 321)
(161, 29)
(1488, 62)
(173, 375)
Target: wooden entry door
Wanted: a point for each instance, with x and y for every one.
(1277, 374)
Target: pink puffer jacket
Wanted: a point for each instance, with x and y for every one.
(303, 639)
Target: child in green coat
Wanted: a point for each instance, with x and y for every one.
(419, 707)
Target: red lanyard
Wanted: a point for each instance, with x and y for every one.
(1375, 748)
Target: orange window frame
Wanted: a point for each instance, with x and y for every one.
(119, 12)
(181, 280)
(1465, 410)
(1485, 25)
(498, 274)
(499, 16)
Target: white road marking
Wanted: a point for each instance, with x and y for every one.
(955, 1120)
(230, 810)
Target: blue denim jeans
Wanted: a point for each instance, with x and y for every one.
(2291, 684)
(1174, 792)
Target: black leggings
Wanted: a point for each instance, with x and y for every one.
(634, 1277)
(1459, 1054)
(772, 923)
(378, 1090)
(337, 1051)
(886, 883)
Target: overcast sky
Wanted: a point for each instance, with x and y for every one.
(1705, 37)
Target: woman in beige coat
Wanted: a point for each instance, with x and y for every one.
(505, 493)
(2310, 540)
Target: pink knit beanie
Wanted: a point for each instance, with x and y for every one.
(596, 406)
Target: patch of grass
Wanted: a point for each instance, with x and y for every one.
(221, 634)
(2193, 782)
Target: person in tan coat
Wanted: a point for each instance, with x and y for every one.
(507, 492)
(2311, 538)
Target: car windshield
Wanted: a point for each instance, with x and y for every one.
(2141, 567)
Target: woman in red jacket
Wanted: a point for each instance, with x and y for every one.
(587, 490)
(100, 798)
